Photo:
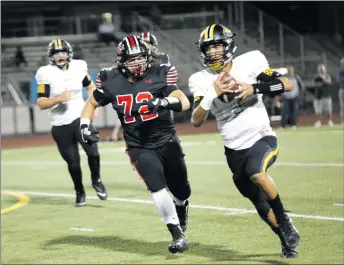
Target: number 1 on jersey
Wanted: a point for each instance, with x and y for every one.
(127, 100)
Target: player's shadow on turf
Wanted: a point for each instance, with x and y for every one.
(59, 201)
(115, 243)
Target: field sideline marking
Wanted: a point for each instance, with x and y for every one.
(223, 209)
(22, 201)
(200, 163)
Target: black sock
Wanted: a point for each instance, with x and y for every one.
(76, 174)
(94, 164)
(277, 207)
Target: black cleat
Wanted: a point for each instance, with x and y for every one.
(80, 199)
(100, 189)
(183, 215)
(179, 243)
(288, 233)
(289, 253)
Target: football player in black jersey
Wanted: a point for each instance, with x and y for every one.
(156, 57)
(143, 94)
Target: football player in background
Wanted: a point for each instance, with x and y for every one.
(250, 144)
(143, 95)
(152, 43)
(60, 86)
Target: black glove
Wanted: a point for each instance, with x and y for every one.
(89, 136)
(156, 103)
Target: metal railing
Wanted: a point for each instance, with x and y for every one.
(171, 46)
(272, 36)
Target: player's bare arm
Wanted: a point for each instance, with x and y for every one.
(46, 103)
(182, 98)
(201, 109)
(273, 85)
(88, 84)
(86, 115)
(89, 109)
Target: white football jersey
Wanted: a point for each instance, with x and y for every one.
(70, 80)
(240, 130)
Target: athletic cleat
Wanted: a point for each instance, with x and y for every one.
(80, 199)
(183, 214)
(179, 243)
(289, 253)
(100, 190)
(288, 232)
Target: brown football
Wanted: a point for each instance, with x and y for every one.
(227, 97)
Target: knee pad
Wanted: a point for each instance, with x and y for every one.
(74, 166)
(182, 192)
(71, 158)
(92, 150)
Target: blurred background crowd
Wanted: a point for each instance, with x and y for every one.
(303, 40)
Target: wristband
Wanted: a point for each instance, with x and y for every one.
(172, 103)
(84, 121)
(275, 87)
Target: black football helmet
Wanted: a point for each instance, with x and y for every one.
(59, 45)
(128, 49)
(215, 34)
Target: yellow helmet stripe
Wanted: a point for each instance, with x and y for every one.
(60, 43)
(55, 44)
(211, 30)
(206, 33)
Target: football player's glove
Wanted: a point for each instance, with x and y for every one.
(87, 135)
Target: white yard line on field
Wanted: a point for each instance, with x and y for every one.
(338, 204)
(82, 229)
(38, 164)
(205, 207)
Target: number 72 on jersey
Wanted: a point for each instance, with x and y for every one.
(128, 101)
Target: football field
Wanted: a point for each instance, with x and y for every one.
(40, 224)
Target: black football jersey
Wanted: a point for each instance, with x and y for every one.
(149, 130)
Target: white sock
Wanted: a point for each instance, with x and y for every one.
(165, 206)
(179, 202)
(115, 131)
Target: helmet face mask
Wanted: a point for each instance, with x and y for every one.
(60, 58)
(137, 65)
(214, 38)
(60, 52)
(133, 57)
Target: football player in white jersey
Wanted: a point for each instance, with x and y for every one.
(249, 142)
(60, 86)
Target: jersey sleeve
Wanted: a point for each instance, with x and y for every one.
(43, 83)
(262, 69)
(165, 59)
(171, 78)
(261, 63)
(196, 91)
(101, 94)
(86, 81)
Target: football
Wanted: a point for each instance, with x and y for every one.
(227, 97)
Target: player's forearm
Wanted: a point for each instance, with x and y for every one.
(199, 115)
(177, 101)
(46, 103)
(90, 88)
(88, 110)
